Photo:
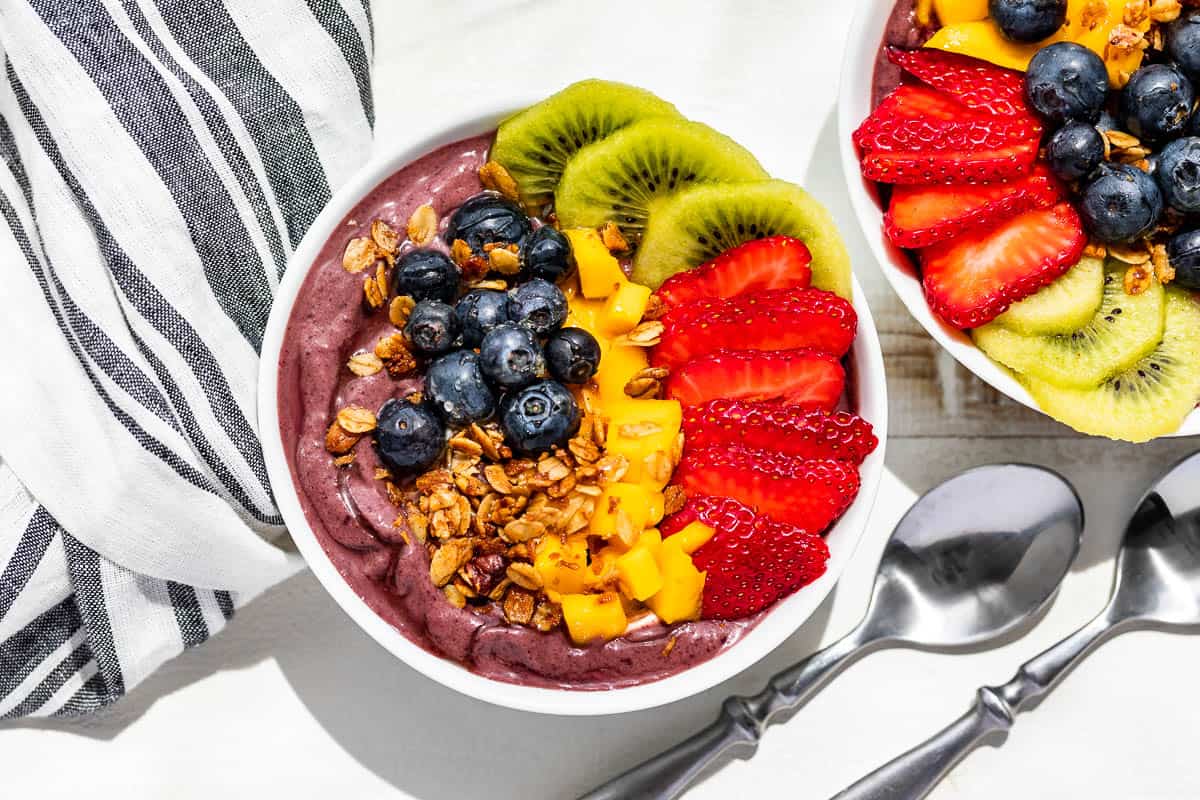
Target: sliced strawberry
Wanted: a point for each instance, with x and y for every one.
(909, 135)
(976, 84)
(777, 262)
(914, 101)
(975, 166)
(806, 378)
(777, 319)
(809, 493)
(790, 430)
(751, 561)
(919, 216)
(971, 280)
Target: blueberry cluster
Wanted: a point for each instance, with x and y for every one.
(489, 352)
(1119, 203)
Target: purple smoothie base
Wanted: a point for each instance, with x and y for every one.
(349, 512)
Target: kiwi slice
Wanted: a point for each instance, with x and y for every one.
(1064, 306)
(622, 177)
(1150, 399)
(535, 144)
(699, 223)
(1123, 331)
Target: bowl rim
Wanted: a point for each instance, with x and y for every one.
(854, 103)
(775, 627)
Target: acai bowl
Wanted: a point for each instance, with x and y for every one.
(1008, 227)
(541, 471)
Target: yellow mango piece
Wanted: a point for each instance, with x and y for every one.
(983, 39)
(563, 567)
(602, 572)
(694, 536)
(624, 510)
(624, 308)
(952, 12)
(599, 271)
(683, 585)
(1095, 36)
(644, 431)
(651, 540)
(638, 573)
(593, 616)
(618, 364)
(584, 313)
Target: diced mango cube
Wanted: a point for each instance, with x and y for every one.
(624, 510)
(599, 272)
(583, 313)
(683, 585)
(952, 12)
(644, 431)
(602, 572)
(618, 364)
(638, 573)
(624, 308)
(563, 567)
(693, 536)
(593, 616)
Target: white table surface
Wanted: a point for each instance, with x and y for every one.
(292, 700)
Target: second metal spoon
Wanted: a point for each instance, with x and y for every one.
(970, 561)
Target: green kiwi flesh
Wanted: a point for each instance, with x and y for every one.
(620, 178)
(1125, 329)
(535, 144)
(1150, 399)
(1064, 306)
(702, 222)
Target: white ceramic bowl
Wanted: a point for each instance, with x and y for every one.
(854, 104)
(779, 623)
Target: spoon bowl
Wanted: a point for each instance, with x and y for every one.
(1157, 584)
(971, 560)
(956, 573)
(1158, 569)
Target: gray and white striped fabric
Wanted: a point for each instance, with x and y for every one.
(159, 160)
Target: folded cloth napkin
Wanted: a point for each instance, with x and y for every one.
(159, 161)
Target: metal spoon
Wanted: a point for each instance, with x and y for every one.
(970, 561)
(1157, 584)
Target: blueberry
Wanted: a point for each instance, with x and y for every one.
(478, 312)
(408, 437)
(427, 275)
(1183, 43)
(486, 218)
(1028, 20)
(548, 254)
(510, 356)
(538, 305)
(1067, 81)
(458, 390)
(1107, 122)
(1075, 150)
(1183, 252)
(1121, 204)
(1157, 102)
(432, 328)
(1178, 174)
(539, 416)
(573, 355)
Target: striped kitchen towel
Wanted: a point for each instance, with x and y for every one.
(159, 161)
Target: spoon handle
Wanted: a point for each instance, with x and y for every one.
(735, 732)
(914, 774)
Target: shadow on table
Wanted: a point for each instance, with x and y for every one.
(432, 742)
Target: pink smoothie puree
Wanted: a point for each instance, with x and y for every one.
(903, 30)
(349, 510)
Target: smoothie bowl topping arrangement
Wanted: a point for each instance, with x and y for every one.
(1039, 161)
(567, 403)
